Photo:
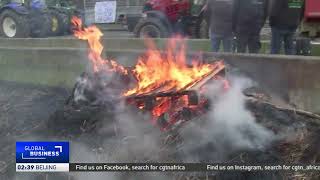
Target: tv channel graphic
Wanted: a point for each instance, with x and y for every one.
(42, 156)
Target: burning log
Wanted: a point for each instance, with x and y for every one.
(191, 90)
(184, 102)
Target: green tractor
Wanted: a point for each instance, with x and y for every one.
(61, 12)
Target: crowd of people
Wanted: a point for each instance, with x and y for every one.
(236, 24)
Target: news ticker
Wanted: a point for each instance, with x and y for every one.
(54, 157)
(157, 167)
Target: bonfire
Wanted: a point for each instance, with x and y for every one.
(166, 85)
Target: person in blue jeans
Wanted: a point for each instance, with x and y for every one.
(285, 17)
(225, 40)
(282, 35)
(220, 14)
(250, 17)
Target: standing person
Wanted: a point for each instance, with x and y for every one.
(250, 17)
(220, 14)
(285, 17)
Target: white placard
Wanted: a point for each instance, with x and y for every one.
(105, 12)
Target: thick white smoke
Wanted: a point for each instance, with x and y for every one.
(229, 127)
(233, 123)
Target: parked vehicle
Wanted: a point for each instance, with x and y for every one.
(163, 18)
(61, 12)
(310, 25)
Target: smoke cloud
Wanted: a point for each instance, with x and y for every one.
(234, 124)
(229, 127)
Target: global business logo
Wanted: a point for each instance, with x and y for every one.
(42, 152)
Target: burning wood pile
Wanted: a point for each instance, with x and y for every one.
(173, 93)
(164, 85)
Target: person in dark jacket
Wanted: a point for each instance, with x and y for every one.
(220, 14)
(250, 17)
(285, 17)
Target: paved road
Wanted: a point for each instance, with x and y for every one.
(24, 109)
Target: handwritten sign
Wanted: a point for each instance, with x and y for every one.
(105, 12)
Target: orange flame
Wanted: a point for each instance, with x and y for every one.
(93, 35)
(170, 72)
(154, 72)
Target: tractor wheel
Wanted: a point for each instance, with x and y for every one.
(204, 30)
(40, 25)
(59, 23)
(14, 25)
(151, 27)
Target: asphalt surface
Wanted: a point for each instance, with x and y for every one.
(24, 110)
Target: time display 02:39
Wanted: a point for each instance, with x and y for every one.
(23, 167)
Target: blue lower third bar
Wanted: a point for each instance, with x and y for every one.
(42, 152)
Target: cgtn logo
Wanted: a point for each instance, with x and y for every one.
(34, 156)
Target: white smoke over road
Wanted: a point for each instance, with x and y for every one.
(234, 124)
(229, 127)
